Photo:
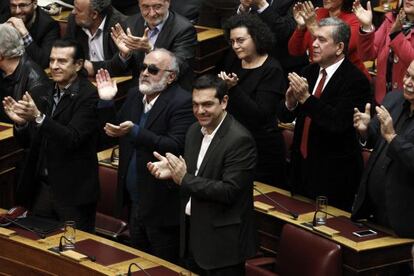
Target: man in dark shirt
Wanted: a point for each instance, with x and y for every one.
(18, 72)
(386, 191)
(36, 27)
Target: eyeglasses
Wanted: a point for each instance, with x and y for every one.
(239, 40)
(20, 6)
(152, 69)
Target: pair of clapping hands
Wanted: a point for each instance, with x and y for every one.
(21, 112)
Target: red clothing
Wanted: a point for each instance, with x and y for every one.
(301, 40)
(376, 45)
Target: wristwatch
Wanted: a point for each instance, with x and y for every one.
(39, 118)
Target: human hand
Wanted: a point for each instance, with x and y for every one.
(18, 24)
(299, 86)
(364, 15)
(159, 169)
(230, 79)
(245, 5)
(118, 131)
(177, 166)
(8, 103)
(297, 15)
(309, 16)
(119, 36)
(362, 119)
(107, 87)
(387, 128)
(290, 99)
(26, 108)
(89, 67)
(138, 43)
(399, 21)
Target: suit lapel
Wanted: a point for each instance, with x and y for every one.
(158, 107)
(215, 143)
(191, 153)
(165, 32)
(334, 82)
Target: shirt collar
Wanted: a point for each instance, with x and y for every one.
(148, 106)
(70, 88)
(98, 31)
(161, 24)
(204, 130)
(331, 69)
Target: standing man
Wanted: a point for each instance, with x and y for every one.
(155, 27)
(19, 72)
(326, 156)
(216, 181)
(154, 117)
(60, 176)
(90, 23)
(386, 192)
(36, 27)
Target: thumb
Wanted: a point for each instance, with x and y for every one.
(145, 35)
(158, 156)
(368, 108)
(369, 6)
(129, 31)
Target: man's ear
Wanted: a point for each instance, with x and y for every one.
(172, 76)
(340, 48)
(79, 64)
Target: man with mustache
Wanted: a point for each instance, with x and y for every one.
(386, 190)
(326, 156)
(154, 117)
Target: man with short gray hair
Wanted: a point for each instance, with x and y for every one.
(154, 117)
(90, 24)
(19, 72)
(326, 156)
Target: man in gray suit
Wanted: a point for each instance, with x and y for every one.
(216, 180)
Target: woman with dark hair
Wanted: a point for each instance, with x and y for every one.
(307, 19)
(256, 86)
(392, 45)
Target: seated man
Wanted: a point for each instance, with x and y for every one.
(386, 191)
(60, 176)
(37, 28)
(19, 72)
(90, 23)
(216, 182)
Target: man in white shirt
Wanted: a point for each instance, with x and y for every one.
(216, 181)
(326, 157)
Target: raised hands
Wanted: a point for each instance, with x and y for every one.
(362, 119)
(387, 128)
(107, 88)
(126, 42)
(230, 79)
(305, 16)
(297, 15)
(26, 108)
(8, 105)
(399, 21)
(168, 167)
(299, 88)
(364, 15)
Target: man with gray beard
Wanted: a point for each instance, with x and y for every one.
(154, 117)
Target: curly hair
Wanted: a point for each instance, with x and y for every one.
(261, 34)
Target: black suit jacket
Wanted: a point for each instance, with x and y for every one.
(164, 131)
(221, 222)
(44, 31)
(334, 163)
(178, 36)
(399, 169)
(67, 141)
(109, 48)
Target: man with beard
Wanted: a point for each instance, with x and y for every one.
(386, 192)
(90, 24)
(153, 118)
(37, 29)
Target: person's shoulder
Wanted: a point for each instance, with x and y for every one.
(178, 95)
(179, 19)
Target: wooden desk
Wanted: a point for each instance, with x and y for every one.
(20, 255)
(10, 155)
(370, 257)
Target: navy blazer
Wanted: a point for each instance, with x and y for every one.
(164, 131)
(399, 168)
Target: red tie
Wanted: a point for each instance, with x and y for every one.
(305, 133)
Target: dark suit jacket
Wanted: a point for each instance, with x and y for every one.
(334, 163)
(178, 36)
(110, 49)
(399, 169)
(221, 222)
(164, 131)
(67, 141)
(44, 31)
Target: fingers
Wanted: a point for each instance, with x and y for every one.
(145, 35)
(158, 156)
(368, 108)
(368, 5)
